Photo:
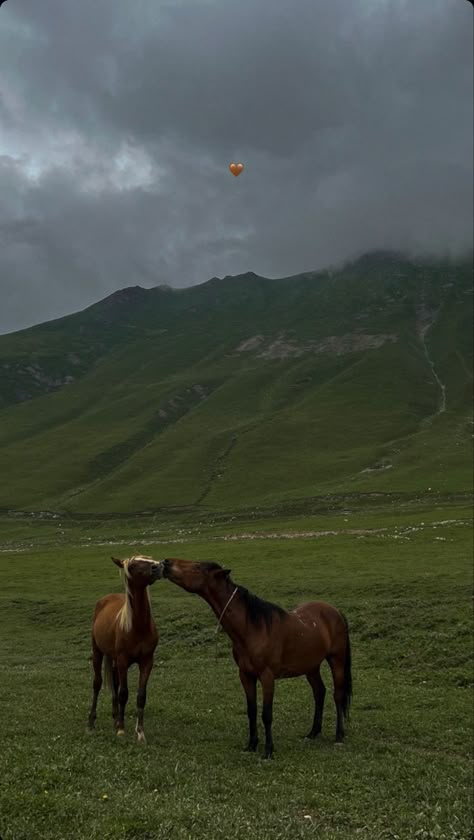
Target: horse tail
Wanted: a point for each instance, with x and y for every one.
(108, 673)
(347, 697)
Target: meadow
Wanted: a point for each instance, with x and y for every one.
(401, 574)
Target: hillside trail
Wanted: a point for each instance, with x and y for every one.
(426, 319)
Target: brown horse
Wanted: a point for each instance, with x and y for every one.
(124, 633)
(270, 643)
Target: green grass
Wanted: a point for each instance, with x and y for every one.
(405, 770)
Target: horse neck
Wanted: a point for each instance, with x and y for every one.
(139, 601)
(218, 597)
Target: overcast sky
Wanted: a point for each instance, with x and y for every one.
(118, 119)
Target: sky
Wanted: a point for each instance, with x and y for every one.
(118, 120)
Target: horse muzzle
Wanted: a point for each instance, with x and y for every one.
(165, 568)
(158, 570)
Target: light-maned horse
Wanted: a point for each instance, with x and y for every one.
(124, 633)
(269, 643)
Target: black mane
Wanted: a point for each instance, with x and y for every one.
(256, 608)
(259, 610)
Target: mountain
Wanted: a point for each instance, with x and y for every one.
(244, 390)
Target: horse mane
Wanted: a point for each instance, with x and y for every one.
(256, 608)
(125, 613)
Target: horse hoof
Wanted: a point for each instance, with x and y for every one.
(120, 733)
(141, 738)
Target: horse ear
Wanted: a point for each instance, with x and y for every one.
(117, 562)
(225, 572)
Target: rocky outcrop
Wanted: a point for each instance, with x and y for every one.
(283, 347)
(27, 380)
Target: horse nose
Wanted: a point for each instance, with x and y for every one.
(158, 569)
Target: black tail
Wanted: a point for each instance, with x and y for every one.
(347, 699)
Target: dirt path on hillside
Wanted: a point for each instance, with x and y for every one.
(442, 387)
(426, 320)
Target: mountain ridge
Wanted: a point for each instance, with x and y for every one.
(244, 390)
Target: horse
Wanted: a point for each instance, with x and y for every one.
(124, 633)
(270, 643)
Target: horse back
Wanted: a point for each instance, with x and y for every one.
(324, 619)
(315, 609)
(110, 604)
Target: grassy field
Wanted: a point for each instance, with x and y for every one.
(401, 574)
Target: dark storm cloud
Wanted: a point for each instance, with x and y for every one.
(118, 120)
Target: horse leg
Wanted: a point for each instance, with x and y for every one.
(268, 686)
(249, 684)
(319, 693)
(336, 664)
(145, 671)
(114, 687)
(97, 657)
(122, 668)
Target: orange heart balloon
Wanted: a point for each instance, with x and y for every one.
(236, 168)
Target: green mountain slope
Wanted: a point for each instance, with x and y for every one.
(244, 391)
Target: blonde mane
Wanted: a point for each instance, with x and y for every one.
(125, 613)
